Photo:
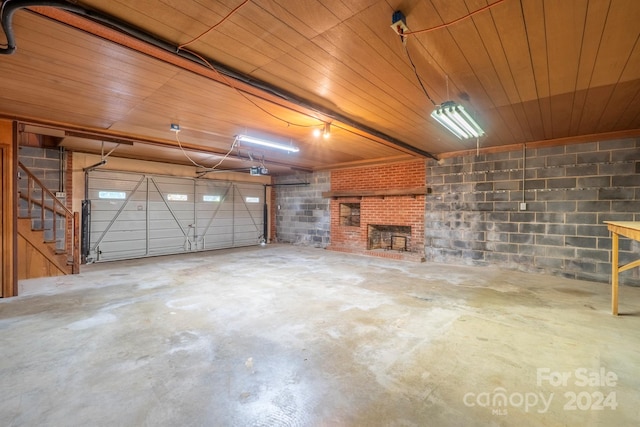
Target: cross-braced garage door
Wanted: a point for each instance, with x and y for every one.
(136, 215)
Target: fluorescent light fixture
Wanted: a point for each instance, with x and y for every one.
(457, 120)
(267, 143)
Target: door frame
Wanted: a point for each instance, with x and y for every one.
(9, 208)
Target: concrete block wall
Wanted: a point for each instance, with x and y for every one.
(45, 164)
(301, 213)
(473, 217)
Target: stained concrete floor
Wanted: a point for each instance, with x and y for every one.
(292, 336)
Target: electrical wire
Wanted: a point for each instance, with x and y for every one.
(403, 34)
(215, 26)
(227, 81)
(196, 164)
(232, 85)
(235, 142)
(415, 70)
(455, 21)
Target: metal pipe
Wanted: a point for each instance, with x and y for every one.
(265, 218)
(61, 169)
(524, 168)
(100, 163)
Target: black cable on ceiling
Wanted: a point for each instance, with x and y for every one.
(9, 7)
(415, 70)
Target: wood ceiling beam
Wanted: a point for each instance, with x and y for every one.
(122, 138)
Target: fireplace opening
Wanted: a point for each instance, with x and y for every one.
(389, 237)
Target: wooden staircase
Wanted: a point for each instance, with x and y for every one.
(48, 232)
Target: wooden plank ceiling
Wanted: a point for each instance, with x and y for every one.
(528, 70)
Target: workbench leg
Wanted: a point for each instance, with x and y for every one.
(614, 274)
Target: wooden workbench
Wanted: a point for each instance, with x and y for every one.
(630, 229)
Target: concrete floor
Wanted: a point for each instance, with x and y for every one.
(293, 336)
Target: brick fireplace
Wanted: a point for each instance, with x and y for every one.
(379, 210)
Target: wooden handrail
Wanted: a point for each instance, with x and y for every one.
(45, 189)
(72, 237)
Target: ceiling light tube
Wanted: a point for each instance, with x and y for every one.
(457, 120)
(449, 124)
(474, 127)
(267, 143)
(464, 124)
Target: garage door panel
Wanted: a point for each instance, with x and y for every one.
(161, 212)
(132, 246)
(117, 182)
(161, 233)
(116, 254)
(169, 224)
(221, 222)
(246, 236)
(164, 215)
(167, 246)
(125, 233)
(170, 206)
(125, 216)
(119, 226)
(151, 215)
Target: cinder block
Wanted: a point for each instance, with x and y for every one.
(594, 157)
(581, 242)
(626, 181)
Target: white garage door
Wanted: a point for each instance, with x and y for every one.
(137, 215)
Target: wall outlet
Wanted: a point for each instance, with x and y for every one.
(61, 194)
(523, 206)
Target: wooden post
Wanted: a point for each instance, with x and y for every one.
(8, 209)
(614, 273)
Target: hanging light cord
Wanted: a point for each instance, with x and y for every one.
(415, 70)
(404, 34)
